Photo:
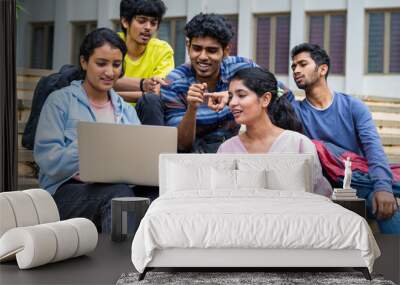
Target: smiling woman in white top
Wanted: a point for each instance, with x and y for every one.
(271, 123)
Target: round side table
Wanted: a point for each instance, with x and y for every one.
(120, 208)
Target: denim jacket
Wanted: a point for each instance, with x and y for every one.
(56, 143)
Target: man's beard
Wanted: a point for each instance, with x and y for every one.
(301, 86)
(307, 84)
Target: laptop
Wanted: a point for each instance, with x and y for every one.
(113, 153)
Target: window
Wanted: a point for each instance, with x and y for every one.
(328, 30)
(172, 31)
(383, 42)
(233, 20)
(272, 42)
(117, 26)
(42, 45)
(79, 31)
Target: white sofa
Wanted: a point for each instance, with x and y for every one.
(246, 210)
(31, 231)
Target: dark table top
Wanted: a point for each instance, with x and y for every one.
(104, 265)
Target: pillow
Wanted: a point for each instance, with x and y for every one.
(188, 173)
(281, 173)
(251, 178)
(188, 177)
(226, 179)
(223, 179)
(292, 179)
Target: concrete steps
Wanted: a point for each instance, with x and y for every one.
(383, 107)
(386, 115)
(27, 183)
(393, 153)
(26, 83)
(386, 120)
(389, 136)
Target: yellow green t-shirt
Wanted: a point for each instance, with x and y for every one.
(157, 60)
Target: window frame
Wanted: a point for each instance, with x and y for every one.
(272, 50)
(172, 41)
(327, 25)
(46, 25)
(75, 52)
(172, 23)
(234, 17)
(386, 41)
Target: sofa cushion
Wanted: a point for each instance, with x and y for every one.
(26, 208)
(7, 216)
(31, 232)
(40, 244)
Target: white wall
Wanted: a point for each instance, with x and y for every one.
(42, 11)
(176, 8)
(85, 10)
(62, 35)
(381, 86)
(271, 6)
(227, 7)
(318, 5)
(104, 11)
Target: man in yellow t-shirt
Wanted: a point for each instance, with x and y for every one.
(148, 60)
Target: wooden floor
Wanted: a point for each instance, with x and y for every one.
(389, 262)
(110, 259)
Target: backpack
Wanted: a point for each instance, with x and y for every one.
(45, 86)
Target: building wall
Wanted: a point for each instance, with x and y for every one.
(355, 81)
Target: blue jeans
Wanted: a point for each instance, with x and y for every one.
(93, 200)
(386, 226)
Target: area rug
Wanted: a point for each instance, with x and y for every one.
(243, 278)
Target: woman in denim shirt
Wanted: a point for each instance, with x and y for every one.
(92, 100)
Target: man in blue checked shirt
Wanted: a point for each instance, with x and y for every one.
(201, 129)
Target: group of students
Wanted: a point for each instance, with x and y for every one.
(207, 99)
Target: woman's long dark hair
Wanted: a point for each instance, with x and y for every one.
(98, 38)
(280, 111)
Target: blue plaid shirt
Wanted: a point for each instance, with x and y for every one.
(209, 124)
